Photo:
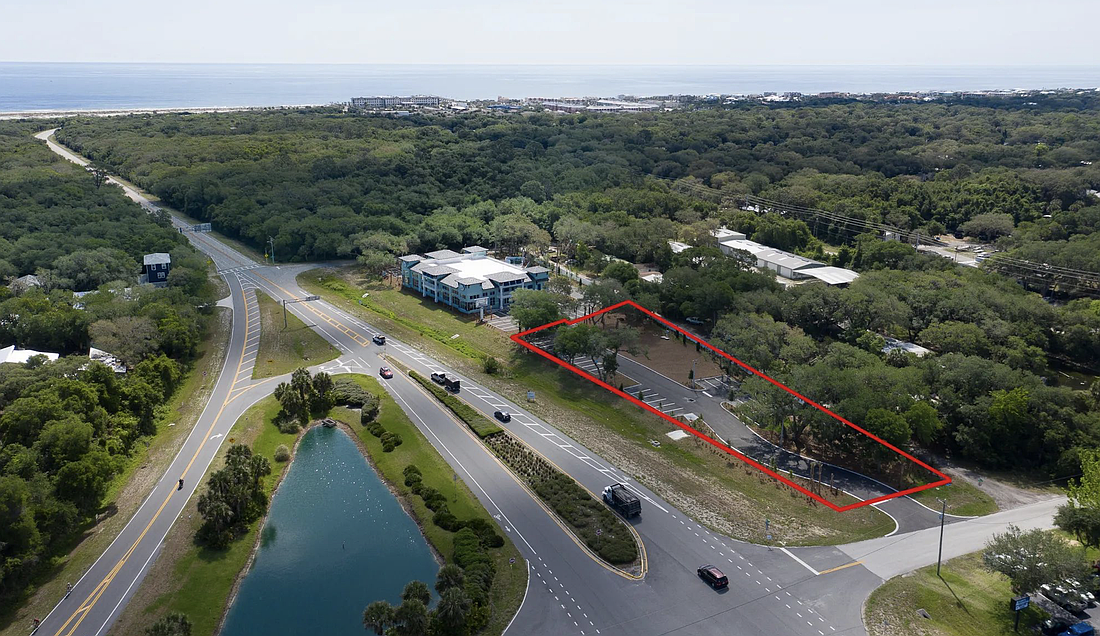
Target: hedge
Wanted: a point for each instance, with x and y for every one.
(478, 423)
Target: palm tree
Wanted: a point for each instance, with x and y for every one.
(411, 619)
(449, 576)
(452, 609)
(417, 590)
(378, 617)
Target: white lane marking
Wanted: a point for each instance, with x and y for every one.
(800, 561)
(707, 394)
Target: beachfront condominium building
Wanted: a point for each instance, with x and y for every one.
(469, 281)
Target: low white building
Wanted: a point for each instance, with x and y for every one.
(790, 266)
(725, 234)
(678, 247)
(21, 356)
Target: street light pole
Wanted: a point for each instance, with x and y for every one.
(943, 510)
(271, 250)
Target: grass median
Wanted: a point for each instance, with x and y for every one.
(284, 349)
(968, 601)
(713, 488)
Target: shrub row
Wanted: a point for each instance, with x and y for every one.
(575, 505)
(472, 540)
(478, 423)
(389, 439)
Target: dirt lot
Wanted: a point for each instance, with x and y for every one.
(669, 355)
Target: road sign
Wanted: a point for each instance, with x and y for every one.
(312, 298)
(769, 536)
(512, 561)
(1020, 603)
(530, 395)
(599, 532)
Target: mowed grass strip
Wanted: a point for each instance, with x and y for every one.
(511, 579)
(963, 499)
(284, 349)
(478, 423)
(968, 601)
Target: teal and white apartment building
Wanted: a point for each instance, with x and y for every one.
(469, 281)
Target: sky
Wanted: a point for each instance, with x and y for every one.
(675, 32)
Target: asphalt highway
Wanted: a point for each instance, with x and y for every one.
(809, 591)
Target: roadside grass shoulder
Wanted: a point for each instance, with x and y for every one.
(963, 499)
(716, 489)
(968, 601)
(284, 349)
(129, 488)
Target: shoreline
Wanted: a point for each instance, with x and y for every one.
(119, 112)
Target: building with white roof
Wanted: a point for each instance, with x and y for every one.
(21, 356)
(725, 234)
(678, 247)
(469, 281)
(787, 265)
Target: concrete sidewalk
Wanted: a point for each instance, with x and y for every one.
(890, 556)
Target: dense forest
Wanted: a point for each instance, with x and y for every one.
(1018, 175)
(68, 427)
(327, 184)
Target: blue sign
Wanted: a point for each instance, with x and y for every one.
(1020, 603)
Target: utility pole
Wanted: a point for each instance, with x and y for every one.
(943, 510)
(271, 248)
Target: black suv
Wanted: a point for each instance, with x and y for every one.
(379, 339)
(503, 416)
(713, 576)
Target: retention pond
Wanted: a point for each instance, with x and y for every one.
(335, 539)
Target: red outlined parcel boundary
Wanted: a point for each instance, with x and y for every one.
(518, 339)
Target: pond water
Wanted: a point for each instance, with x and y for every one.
(335, 539)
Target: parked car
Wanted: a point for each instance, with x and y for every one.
(385, 373)
(693, 320)
(379, 339)
(1079, 629)
(713, 576)
(1054, 626)
(503, 416)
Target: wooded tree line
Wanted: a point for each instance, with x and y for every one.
(328, 184)
(67, 428)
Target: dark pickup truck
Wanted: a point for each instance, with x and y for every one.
(622, 500)
(448, 383)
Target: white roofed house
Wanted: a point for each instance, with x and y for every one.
(12, 355)
(155, 268)
(470, 281)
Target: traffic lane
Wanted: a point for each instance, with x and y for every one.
(562, 572)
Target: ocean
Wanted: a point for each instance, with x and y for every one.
(79, 86)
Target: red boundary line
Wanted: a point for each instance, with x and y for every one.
(518, 339)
